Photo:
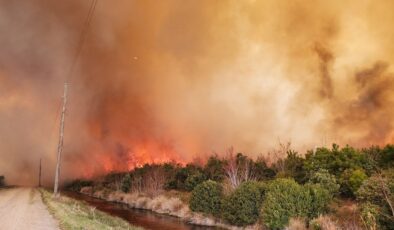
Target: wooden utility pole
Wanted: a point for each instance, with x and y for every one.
(60, 145)
(39, 175)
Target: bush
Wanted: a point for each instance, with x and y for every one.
(326, 180)
(76, 185)
(294, 167)
(369, 213)
(193, 180)
(372, 190)
(356, 179)
(126, 183)
(351, 180)
(320, 199)
(284, 199)
(262, 171)
(242, 207)
(214, 169)
(336, 160)
(191, 172)
(386, 157)
(378, 190)
(207, 198)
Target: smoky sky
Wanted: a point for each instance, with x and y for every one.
(177, 80)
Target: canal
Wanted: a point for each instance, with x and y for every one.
(138, 217)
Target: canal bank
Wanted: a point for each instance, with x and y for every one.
(146, 219)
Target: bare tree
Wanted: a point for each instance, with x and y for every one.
(151, 180)
(136, 184)
(277, 155)
(238, 168)
(154, 180)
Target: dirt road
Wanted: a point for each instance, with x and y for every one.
(22, 208)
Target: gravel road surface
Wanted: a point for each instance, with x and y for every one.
(22, 209)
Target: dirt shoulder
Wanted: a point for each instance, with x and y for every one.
(22, 208)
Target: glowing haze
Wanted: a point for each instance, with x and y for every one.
(177, 80)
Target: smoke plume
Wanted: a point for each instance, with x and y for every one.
(177, 80)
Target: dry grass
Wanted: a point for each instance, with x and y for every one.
(73, 214)
(296, 224)
(346, 215)
(183, 196)
(326, 223)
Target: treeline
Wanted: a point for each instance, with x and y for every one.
(2, 181)
(272, 190)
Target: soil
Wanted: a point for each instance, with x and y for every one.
(22, 208)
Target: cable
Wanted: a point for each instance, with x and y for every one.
(82, 38)
(77, 53)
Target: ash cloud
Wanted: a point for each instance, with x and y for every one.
(174, 80)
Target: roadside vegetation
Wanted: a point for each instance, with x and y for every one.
(324, 188)
(73, 214)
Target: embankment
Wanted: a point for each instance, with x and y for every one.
(163, 203)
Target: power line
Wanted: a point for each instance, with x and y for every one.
(82, 38)
(68, 78)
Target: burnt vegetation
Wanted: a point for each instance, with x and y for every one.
(242, 191)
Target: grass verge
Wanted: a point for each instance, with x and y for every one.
(73, 214)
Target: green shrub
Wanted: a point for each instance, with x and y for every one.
(193, 180)
(242, 207)
(126, 183)
(320, 199)
(378, 190)
(356, 179)
(337, 160)
(262, 171)
(326, 180)
(284, 199)
(207, 198)
(369, 213)
(387, 157)
(293, 167)
(179, 180)
(76, 185)
(351, 180)
(214, 169)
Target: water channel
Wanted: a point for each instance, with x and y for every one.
(137, 217)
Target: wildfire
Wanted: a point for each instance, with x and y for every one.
(138, 154)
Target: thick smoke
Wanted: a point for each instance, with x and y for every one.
(177, 80)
